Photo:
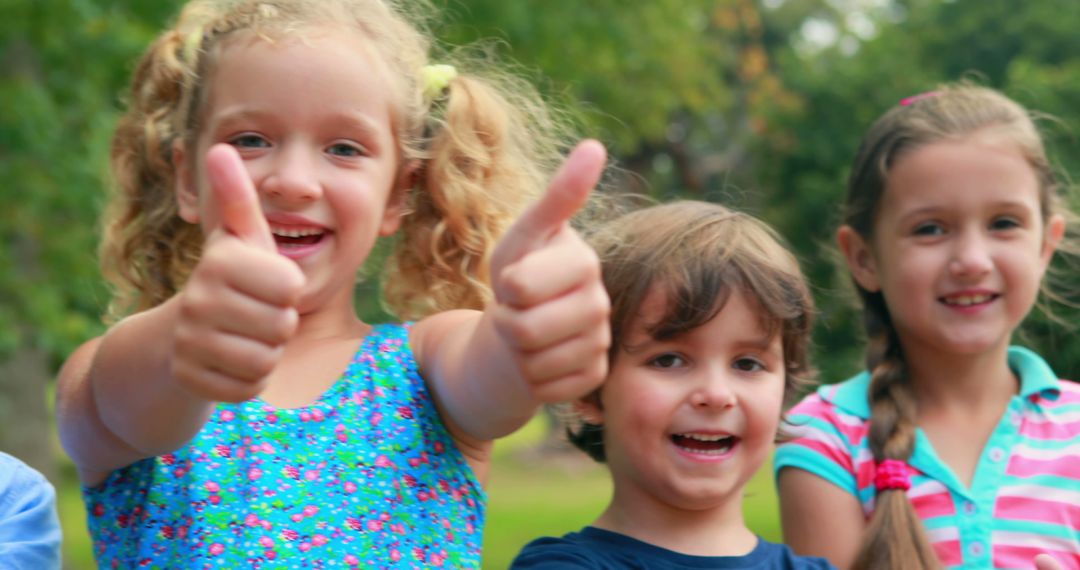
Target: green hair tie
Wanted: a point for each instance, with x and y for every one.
(435, 79)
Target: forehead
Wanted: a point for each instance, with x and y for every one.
(736, 306)
(975, 171)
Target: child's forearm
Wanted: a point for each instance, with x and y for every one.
(118, 401)
(477, 383)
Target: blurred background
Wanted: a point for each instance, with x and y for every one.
(758, 104)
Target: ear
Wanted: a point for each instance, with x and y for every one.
(186, 190)
(398, 198)
(859, 258)
(1055, 232)
(589, 408)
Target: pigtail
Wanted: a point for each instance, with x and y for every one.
(894, 537)
(487, 153)
(147, 250)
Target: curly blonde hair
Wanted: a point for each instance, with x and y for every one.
(485, 148)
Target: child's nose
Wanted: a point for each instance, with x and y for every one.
(713, 391)
(971, 255)
(292, 178)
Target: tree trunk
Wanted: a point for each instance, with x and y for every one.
(25, 426)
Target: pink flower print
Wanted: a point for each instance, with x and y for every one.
(374, 525)
(98, 510)
(227, 415)
(222, 450)
(310, 510)
(304, 546)
(469, 528)
(398, 528)
(267, 525)
(272, 418)
(409, 480)
(318, 415)
(444, 485)
(216, 549)
(395, 554)
(353, 523)
(215, 499)
(212, 486)
(343, 437)
(269, 409)
(438, 559)
(418, 554)
(291, 471)
(267, 448)
(319, 540)
(379, 392)
(376, 418)
(384, 517)
(266, 542)
(270, 554)
(382, 461)
(422, 495)
(405, 412)
(179, 472)
(254, 473)
(167, 532)
(414, 461)
(289, 535)
(312, 475)
(350, 487)
(297, 517)
(351, 560)
(439, 447)
(168, 459)
(251, 520)
(305, 416)
(122, 521)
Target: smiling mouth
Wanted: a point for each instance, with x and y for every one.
(703, 443)
(969, 300)
(297, 237)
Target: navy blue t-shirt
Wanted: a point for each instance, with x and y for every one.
(605, 550)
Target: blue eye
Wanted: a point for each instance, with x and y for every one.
(345, 150)
(928, 229)
(249, 141)
(668, 360)
(748, 365)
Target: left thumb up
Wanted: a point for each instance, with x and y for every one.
(568, 191)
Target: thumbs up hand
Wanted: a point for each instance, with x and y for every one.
(237, 309)
(552, 310)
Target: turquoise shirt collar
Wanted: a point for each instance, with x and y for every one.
(1036, 377)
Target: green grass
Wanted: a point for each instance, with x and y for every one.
(531, 495)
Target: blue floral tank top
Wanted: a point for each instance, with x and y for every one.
(366, 477)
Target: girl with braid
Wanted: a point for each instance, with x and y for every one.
(244, 416)
(953, 449)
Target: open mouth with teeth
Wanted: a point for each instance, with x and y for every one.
(969, 300)
(706, 444)
(297, 237)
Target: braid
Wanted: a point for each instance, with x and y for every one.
(895, 537)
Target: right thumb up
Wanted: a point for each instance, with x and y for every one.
(239, 307)
(239, 213)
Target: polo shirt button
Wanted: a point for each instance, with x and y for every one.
(976, 549)
(970, 508)
(997, 454)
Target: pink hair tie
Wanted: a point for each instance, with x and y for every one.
(892, 474)
(916, 98)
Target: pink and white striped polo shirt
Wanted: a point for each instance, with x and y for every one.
(1025, 496)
